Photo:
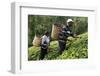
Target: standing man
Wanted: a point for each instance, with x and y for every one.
(64, 34)
(44, 45)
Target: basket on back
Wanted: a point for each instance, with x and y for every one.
(37, 41)
(55, 31)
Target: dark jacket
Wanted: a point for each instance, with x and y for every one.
(65, 33)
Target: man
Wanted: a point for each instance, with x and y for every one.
(64, 34)
(44, 45)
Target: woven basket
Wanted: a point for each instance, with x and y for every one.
(55, 31)
(37, 41)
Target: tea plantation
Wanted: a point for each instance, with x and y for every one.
(76, 48)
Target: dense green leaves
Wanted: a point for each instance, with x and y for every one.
(75, 48)
(37, 24)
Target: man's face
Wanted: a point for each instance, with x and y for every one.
(47, 34)
(70, 24)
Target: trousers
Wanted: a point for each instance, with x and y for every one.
(43, 53)
(62, 46)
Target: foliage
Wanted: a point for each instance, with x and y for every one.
(76, 48)
(37, 24)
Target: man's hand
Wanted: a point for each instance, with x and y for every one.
(75, 36)
(69, 40)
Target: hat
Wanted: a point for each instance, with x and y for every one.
(69, 20)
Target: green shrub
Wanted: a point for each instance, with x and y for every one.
(76, 48)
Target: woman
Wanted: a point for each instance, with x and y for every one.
(44, 45)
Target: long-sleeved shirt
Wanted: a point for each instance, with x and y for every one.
(45, 41)
(65, 33)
